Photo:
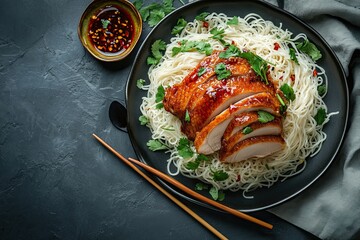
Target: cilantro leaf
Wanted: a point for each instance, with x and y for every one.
(160, 94)
(188, 46)
(138, 3)
(154, 12)
(143, 120)
(214, 193)
(231, 51)
(321, 89)
(105, 23)
(187, 116)
(293, 55)
(218, 34)
(265, 117)
(155, 17)
(180, 25)
(140, 83)
(221, 71)
(221, 196)
(156, 49)
(288, 91)
(184, 148)
(201, 186)
(233, 21)
(201, 71)
(156, 145)
(195, 164)
(219, 175)
(247, 130)
(258, 64)
(310, 49)
(320, 116)
(204, 47)
(202, 16)
(283, 106)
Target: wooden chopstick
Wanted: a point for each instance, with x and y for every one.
(201, 197)
(189, 191)
(175, 200)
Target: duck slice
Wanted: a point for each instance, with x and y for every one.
(257, 129)
(208, 140)
(239, 122)
(177, 97)
(260, 146)
(214, 96)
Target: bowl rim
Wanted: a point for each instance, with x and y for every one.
(135, 16)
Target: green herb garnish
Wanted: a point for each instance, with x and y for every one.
(258, 64)
(187, 116)
(201, 71)
(320, 116)
(180, 25)
(231, 51)
(156, 145)
(154, 12)
(156, 49)
(220, 175)
(321, 89)
(233, 21)
(221, 71)
(195, 164)
(160, 94)
(143, 120)
(216, 194)
(184, 148)
(201, 186)
(288, 92)
(140, 83)
(188, 46)
(293, 55)
(218, 34)
(202, 16)
(105, 23)
(310, 49)
(265, 117)
(247, 130)
(283, 106)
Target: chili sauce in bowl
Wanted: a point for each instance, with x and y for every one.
(109, 30)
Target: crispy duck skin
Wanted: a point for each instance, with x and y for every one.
(258, 129)
(259, 146)
(208, 140)
(177, 97)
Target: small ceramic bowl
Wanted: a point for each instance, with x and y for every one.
(110, 29)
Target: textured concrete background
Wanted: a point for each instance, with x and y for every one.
(56, 181)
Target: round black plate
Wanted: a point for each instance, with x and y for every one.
(336, 100)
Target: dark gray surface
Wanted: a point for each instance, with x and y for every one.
(56, 181)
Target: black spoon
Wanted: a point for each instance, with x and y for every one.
(118, 115)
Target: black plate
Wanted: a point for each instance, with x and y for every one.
(336, 100)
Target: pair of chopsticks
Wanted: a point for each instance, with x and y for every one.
(130, 162)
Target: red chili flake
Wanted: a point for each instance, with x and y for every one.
(276, 46)
(238, 178)
(233, 42)
(315, 73)
(292, 77)
(205, 24)
(281, 77)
